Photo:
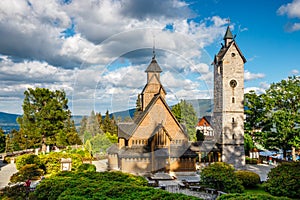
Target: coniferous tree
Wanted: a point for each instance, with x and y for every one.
(82, 128)
(106, 123)
(186, 115)
(44, 116)
(2, 141)
(138, 108)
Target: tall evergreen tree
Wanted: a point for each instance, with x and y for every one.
(106, 123)
(2, 141)
(44, 116)
(138, 107)
(186, 115)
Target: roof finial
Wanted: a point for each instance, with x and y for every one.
(228, 21)
(153, 47)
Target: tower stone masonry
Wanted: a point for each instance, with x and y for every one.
(228, 115)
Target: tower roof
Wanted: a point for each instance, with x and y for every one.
(228, 34)
(153, 67)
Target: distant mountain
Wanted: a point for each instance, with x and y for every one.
(123, 114)
(202, 107)
(8, 121)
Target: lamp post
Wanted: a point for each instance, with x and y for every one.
(25, 136)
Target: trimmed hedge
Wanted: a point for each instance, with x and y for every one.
(283, 180)
(221, 176)
(250, 197)
(252, 160)
(100, 185)
(52, 161)
(17, 192)
(249, 179)
(29, 171)
(85, 167)
(28, 159)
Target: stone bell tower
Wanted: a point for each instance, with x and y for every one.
(228, 116)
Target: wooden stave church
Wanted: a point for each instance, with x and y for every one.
(156, 142)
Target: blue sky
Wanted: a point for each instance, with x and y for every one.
(97, 50)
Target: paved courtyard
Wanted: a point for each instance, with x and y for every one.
(6, 172)
(261, 169)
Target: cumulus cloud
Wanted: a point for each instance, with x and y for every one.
(78, 46)
(292, 10)
(295, 72)
(251, 76)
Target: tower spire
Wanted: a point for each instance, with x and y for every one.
(153, 57)
(228, 37)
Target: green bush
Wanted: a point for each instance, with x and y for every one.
(221, 176)
(7, 159)
(283, 180)
(250, 197)
(100, 185)
(248, 179)
(17, 192)
(28, 159)
(52, 161)
(29, 171)
(252, 160)
(85, 167)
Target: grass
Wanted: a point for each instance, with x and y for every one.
(257, 190)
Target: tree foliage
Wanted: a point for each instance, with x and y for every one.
(283, 180)
(221, 176)
(186, 115)
(45, 117)
(248, 143)
(100, 185)
(276, 113)
(98, 133)
(2, 141)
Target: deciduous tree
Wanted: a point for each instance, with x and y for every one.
(282, 101)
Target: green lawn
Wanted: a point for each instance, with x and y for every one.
(258, 190)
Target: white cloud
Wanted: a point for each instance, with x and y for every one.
(293, 27)
(295, 72)
(292, 10)
(36, 53)
(251, 76)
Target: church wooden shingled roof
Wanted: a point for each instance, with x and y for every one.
(153, 66)
(127, 129)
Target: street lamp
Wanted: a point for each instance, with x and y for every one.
(26, 140)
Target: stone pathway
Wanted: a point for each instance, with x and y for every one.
(101, 165)
(5, 173)
(261, 169)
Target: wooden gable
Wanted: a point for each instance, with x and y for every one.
(158, 114)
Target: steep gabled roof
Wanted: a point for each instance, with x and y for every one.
(153, 67)
(205, 119)
(126, 130)
(228, 34)
(224, 50)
